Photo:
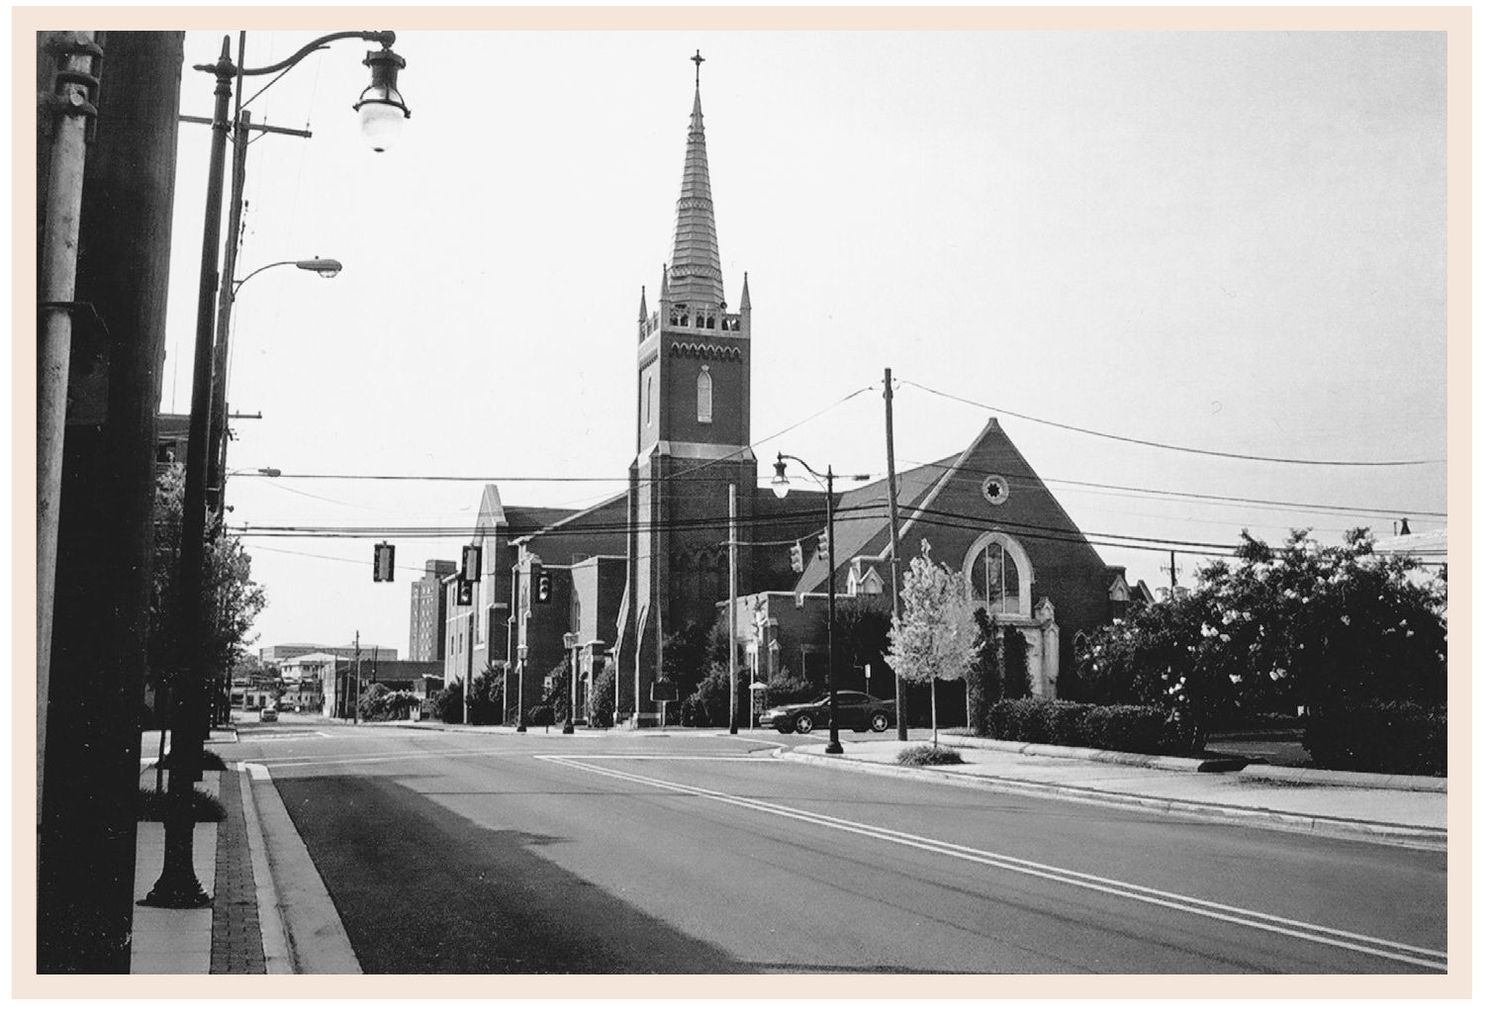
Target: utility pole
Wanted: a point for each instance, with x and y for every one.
(66, 109)
(892, 528)
(105, 526)
(357, 687)
(731, 605)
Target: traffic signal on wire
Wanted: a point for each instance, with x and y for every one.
(383, 561)
(471, 562)
(796, 557)
(542, 584)
(824, 544)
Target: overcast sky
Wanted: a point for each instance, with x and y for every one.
(1230, 241)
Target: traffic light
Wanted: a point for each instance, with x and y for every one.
(796, 557)
(471, 562)
(383, 561)
(463, 591)
(824, 544)
(542, 587)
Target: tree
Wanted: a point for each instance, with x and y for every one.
(935, 636)
(863, 628)
(1325, 627)
(998, 670)
(685, 656)
(227, 580)
(485, 704)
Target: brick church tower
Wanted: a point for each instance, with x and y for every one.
(693, 441)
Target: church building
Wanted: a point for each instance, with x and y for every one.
(611, 583)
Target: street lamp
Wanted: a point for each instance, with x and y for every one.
(780, 489)
(326, 268)
(178, 887)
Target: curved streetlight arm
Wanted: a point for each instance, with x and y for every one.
(320, 266)
(224, 66)
(256, 272)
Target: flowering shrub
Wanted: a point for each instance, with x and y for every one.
(1324, 627)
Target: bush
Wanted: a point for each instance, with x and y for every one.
(485, 706)
(1387, 737)
(710, 704)
(447, 704)
(923, 755)
(151, 805)
(1126, 727)
(786, 688)
(603, 698)
(541, 714)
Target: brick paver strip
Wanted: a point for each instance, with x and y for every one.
(238, 946)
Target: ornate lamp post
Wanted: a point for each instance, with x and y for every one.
(780, 489)
(178, 887)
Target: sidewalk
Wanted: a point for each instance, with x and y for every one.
(225, 936)
(1395, 809)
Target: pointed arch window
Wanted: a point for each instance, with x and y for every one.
(648, 400)
(704, 395)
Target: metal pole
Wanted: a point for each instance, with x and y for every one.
(731, 605)
(829, 523)
(177, 887)
(357, 684)
(892, 527)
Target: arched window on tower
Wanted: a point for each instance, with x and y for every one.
(648, 400)
(704, 395)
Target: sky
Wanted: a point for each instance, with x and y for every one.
(1226, 241)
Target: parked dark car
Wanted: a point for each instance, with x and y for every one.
(856, 710)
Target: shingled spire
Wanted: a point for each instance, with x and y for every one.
(695, 270)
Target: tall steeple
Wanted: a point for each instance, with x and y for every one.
(695, 270)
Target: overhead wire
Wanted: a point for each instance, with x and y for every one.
(1172, 446)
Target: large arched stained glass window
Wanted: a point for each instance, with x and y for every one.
(704, 395)
(999, 575)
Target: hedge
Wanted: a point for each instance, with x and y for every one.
(1386, 737)
(1126, 727)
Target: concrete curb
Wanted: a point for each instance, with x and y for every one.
(277, 957)
(1411, 836)
(1255, 772)
(317, 941)
(1350, 779)
(1159, 761)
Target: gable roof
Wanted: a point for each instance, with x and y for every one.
(861, 519)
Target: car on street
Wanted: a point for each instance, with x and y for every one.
(855, 710)
(268, 714)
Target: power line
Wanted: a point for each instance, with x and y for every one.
(1170, 446)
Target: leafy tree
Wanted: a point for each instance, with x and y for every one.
(935, 636)
(485, 703)
(234, 599)
(685, 654)
(863, 629)
(999, 669)
(603, 697)
(1328, 627)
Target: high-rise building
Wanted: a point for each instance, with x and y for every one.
(428, 612)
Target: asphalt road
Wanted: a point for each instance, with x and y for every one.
(453, 852)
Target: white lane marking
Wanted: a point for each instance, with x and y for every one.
(261, 737)
(1428, 958)
(307, 762)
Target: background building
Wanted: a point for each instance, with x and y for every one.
(428, 612)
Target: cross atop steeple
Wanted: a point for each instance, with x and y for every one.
(698, 61)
